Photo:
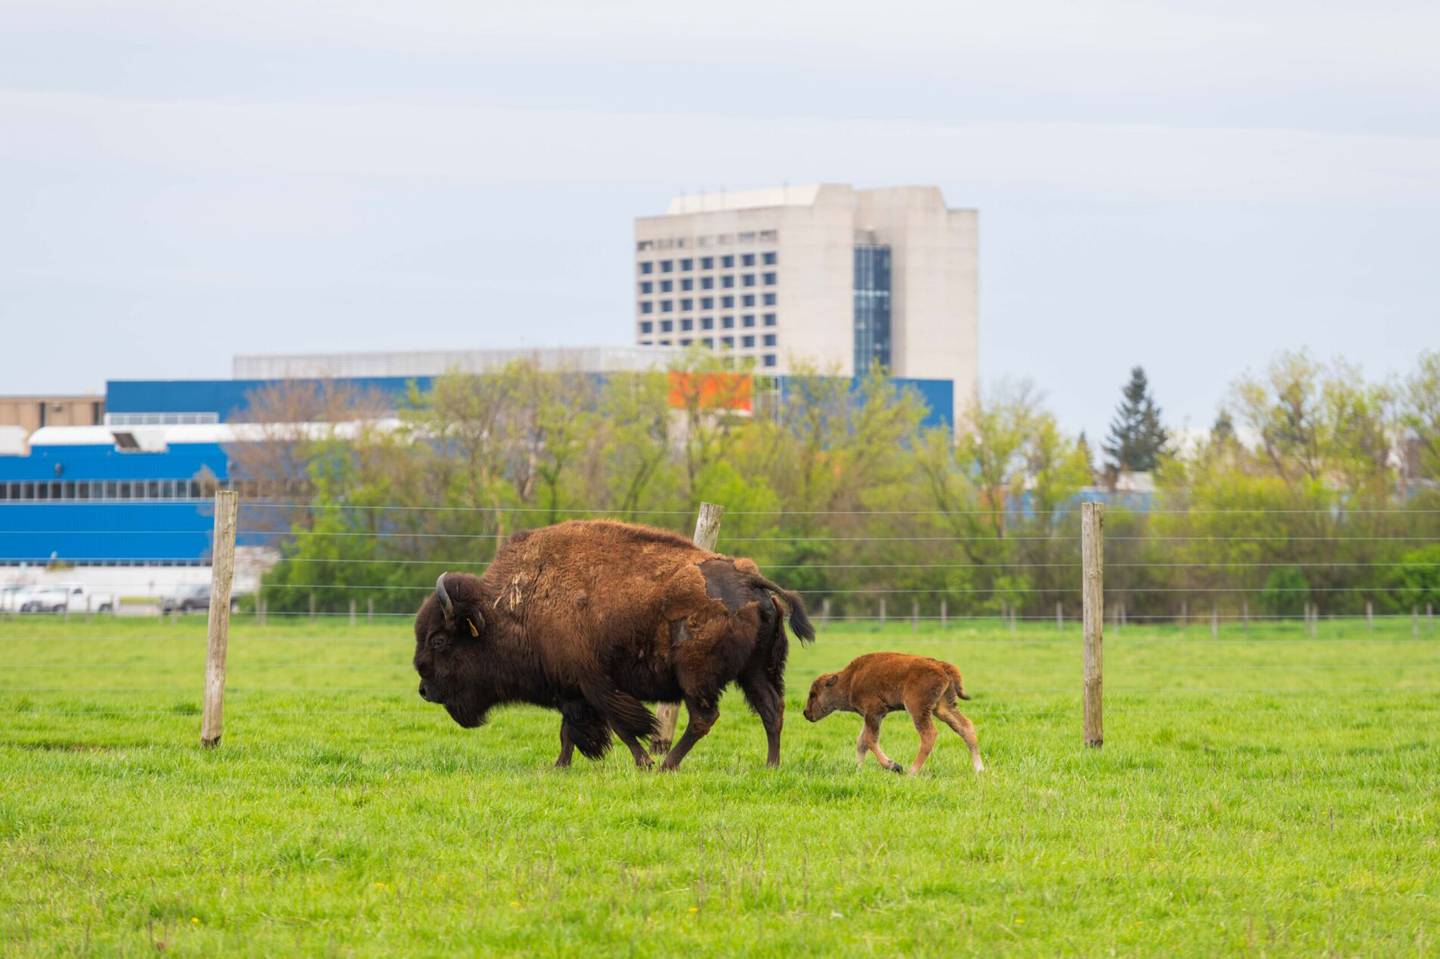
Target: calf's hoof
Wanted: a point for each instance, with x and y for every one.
(895, 767)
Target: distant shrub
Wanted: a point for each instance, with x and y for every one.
(1418, 578)
(1286, 592)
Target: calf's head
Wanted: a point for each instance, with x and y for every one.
(449, 641)
(826, 696)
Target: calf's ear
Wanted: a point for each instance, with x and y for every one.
(832, 681)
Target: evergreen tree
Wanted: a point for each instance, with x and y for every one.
(1224, 429)
(1137, 440)
(1082, 446)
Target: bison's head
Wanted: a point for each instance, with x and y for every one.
(449, 631)
(825, 697)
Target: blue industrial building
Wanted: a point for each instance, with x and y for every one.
(137, 491)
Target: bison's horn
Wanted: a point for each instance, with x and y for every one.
(447, 605)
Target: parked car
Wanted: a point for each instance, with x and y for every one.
(63, 597)
(14, 596)
(190, 599)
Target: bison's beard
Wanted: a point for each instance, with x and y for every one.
(465, 715)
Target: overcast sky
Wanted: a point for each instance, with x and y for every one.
(1190, 187)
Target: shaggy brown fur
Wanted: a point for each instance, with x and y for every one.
(879, 683)
(594, 618)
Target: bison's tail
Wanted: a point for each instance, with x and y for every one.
(799, 622)
(956, 686)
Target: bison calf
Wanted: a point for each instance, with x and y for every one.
(879, 683)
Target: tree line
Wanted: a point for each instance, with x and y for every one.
(1314, 486)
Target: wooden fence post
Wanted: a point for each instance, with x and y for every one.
(914, 615)
(1059, 615)
(944, 614)
(370, 609)
(825, 610)
(707, 534)
(260, 609)
(1012, 619)
(1184, 613)
(1245, 614)
(1214, 621)
(312, 607)
(352, 611)
(1369, 615)
(222, 576)
(882, 610)
(1092, 551)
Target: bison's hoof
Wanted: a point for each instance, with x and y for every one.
(895, 767)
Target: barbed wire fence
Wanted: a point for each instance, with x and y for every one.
(870, 594)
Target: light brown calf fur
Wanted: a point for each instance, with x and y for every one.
(879, 683)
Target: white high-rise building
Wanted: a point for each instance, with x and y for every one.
(827, 274)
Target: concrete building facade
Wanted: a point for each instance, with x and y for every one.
(825, 274)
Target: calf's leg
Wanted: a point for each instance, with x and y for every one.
(927, 732)
(957, 721)
(870, 739)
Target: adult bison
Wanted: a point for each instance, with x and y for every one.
(592, 618)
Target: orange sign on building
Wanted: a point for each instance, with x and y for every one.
(712, 391)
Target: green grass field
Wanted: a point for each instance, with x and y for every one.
(1266, 793)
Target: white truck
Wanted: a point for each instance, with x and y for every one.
(63, 598)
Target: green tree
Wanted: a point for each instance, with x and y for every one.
(1137, 440)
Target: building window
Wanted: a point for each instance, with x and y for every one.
(748, 342)
(748, 299)
(769, 258)
(643, 245)
(769, 359)
(747, 237)
(646, 288)
(768, 299)
(664, 342)
(666, 286)
(727, 262)
(686, 324)
(707, 263)
(647, 343)
(727, 342)
(687, 265)
(769, 339)
(687, 284)
(647, 328)
(748, 320)
(748, 259)
(667, 306)
(647, 267)
(709, 341)
(686, 303)
(707, 282)
(707, 302)
(747, 280)
(769, 319)
(769, 236)
(666, 266)
(728, 322)
(872, 307)
(727, 302)
(667, 326)
(685, 341)
(707, 322)
(768, 279)
(727, 282)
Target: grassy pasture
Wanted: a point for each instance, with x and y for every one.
(1267, 793)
